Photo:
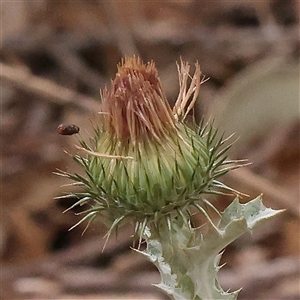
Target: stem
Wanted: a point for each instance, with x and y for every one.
(188, 260)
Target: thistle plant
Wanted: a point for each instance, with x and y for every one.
(152, 165)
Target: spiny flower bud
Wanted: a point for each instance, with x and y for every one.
(144, 162)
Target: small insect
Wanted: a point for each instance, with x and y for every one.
(65, 129)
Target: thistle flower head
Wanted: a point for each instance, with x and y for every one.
(144, 162)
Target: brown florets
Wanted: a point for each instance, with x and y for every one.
(136, 105)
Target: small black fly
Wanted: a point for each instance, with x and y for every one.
(67, 129)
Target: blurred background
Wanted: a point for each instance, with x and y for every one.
(56, 55)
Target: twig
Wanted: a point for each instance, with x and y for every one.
(259, 277)
(46, 89)
(120, 32)
(71, 62)
(277, 195)
(78, 254)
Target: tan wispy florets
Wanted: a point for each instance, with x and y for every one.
(136, 106)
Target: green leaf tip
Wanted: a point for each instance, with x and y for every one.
(253, 212)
